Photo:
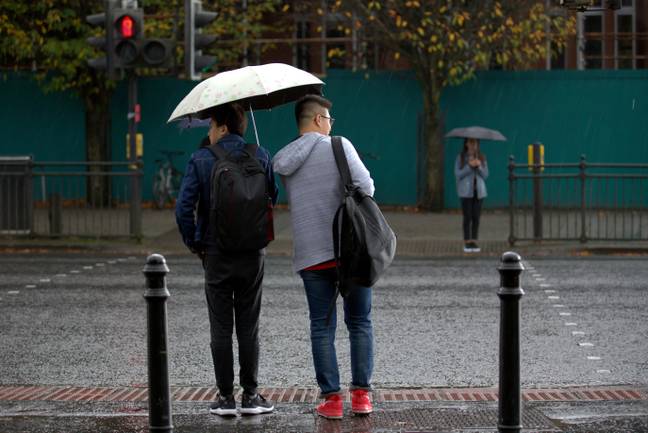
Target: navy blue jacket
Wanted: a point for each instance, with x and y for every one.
(192, 206)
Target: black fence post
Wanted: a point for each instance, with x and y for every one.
(583, 179)
(156, 295)
(537, 192)
(510, 293)
(511, 177)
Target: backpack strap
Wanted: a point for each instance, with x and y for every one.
(217, 151)
(341, 161)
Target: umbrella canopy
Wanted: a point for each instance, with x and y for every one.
(476, 132)
(254, 87)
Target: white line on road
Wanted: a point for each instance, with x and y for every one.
(585, 344)
(603, 371)
(44, 280)
(594, 358)
(100, 264)
(112, 262)
(550, 291)
(74, 271)
(553, 297)
(559, 306)
(571, 323)
(60, 275)
(541, 279)
(545, 285)
(13, 292)
(30, 286)
(565, 314)
(578, 333)
(87, 267)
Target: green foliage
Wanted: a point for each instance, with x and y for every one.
(446, 41)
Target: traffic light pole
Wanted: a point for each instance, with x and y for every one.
(136, 194)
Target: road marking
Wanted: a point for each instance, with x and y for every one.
(585, 344)
(13, 292)
(112, 262)
(603, 371)
(87, 267)
(559, 306)
(100, 264)
(30, 286)
(545, 285)
(553, 297)
(131, 258)
(74, 271)
(536, 275)
(541, 279)
(594, 358)
(570, 323)
(550, 291)
(60, 275)
(121, 260)
(44, 280)
(565, 314)
(578, 333)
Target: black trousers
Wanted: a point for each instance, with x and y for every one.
(471, 212)
(233, 289)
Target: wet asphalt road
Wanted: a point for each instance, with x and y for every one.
(436, 323)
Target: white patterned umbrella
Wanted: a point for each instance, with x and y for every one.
(254, 87)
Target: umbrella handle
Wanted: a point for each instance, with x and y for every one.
(256, 134)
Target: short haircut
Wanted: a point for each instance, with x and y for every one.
(306, 107)
(231, 115)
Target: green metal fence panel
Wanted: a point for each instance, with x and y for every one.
(597, 113)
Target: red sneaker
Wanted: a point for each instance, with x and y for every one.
(331, 408)
(361, 402)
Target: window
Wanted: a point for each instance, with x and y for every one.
(591, 44)
(624, 41)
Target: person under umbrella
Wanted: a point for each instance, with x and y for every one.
(471, 172)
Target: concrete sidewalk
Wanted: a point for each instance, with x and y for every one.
(420, 234)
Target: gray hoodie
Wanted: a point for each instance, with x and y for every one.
(309, 173)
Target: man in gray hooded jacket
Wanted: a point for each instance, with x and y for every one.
(308, 170)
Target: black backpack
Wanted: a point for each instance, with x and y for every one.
(363, 242)
(240, 212)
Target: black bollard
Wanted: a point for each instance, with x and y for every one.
(156, 295)
(510, 293)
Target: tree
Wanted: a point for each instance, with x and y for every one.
(447, 41)
(49, 37)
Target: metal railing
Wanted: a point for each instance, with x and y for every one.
(581, 201)
(82, 199)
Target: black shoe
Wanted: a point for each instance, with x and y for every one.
(223, 406)
(467, 247)
(474, 247)
(255, 404)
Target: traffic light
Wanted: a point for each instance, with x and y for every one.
(127, 30)
(194, 40)
(103, 42)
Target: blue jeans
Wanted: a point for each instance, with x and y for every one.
(320, 289)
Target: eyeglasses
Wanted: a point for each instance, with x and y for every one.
(331, 119)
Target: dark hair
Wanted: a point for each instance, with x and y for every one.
(464, 151)
(306, 103)
(231, 115)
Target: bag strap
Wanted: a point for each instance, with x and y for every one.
(217, 151)
(336, 253)
(341, 161)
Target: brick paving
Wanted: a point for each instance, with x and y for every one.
(310, 395)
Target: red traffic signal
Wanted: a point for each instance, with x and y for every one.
(126, 26)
